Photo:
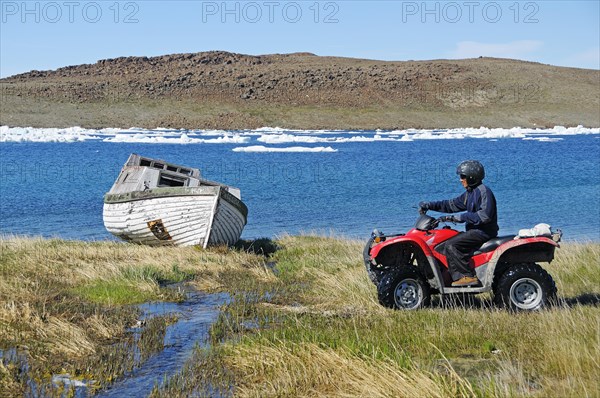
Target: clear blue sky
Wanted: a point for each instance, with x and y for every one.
(50, 34)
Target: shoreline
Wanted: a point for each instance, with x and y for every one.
(169, 115)
(585, 240)
(534, 126)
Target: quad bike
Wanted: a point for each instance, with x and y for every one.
(408, 268)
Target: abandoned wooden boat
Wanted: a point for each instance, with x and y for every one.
(153, 202)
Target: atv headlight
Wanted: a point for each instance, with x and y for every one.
(377, 236)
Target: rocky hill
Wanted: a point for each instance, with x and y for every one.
(225, 90)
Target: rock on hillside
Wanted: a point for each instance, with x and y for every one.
(226, 90)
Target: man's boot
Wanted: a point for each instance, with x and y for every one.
(466, 281)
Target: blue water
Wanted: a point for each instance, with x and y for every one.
(195, 316)
(56, 189)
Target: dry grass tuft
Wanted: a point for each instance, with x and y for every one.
(307, 370)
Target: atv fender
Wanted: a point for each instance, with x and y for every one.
(523, 250)
(384, 246)
(526, 250)
(397, 252)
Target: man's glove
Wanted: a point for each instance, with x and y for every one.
(450, 218)
(423, 207)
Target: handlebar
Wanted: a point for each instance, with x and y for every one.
(423, 211)
(441, 219)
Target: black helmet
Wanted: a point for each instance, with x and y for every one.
(471, 169)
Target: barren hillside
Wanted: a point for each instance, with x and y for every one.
(225, 90)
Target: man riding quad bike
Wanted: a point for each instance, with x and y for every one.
(408, 268)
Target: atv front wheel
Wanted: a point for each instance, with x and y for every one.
(525, 287)
(404, 288)
(375, 275)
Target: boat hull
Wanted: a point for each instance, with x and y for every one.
(179, 216)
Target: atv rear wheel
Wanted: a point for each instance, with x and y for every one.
(404, 288)
(525, 287)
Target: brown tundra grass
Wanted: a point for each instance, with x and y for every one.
(302, 322)
(65, 305)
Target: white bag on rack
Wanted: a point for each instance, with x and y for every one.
(539, 230)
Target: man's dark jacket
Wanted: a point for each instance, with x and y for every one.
(479, 205)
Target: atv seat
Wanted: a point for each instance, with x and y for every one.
(493, 243)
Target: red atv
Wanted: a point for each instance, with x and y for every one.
(408, 268)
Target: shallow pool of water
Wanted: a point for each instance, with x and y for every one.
(195, 316)
(193, 319)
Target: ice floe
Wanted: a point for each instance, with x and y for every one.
(543, 139)
(183, 138)
(269, 136)
(262, 148)
(30, 134)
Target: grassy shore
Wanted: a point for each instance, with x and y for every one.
(302, 321)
